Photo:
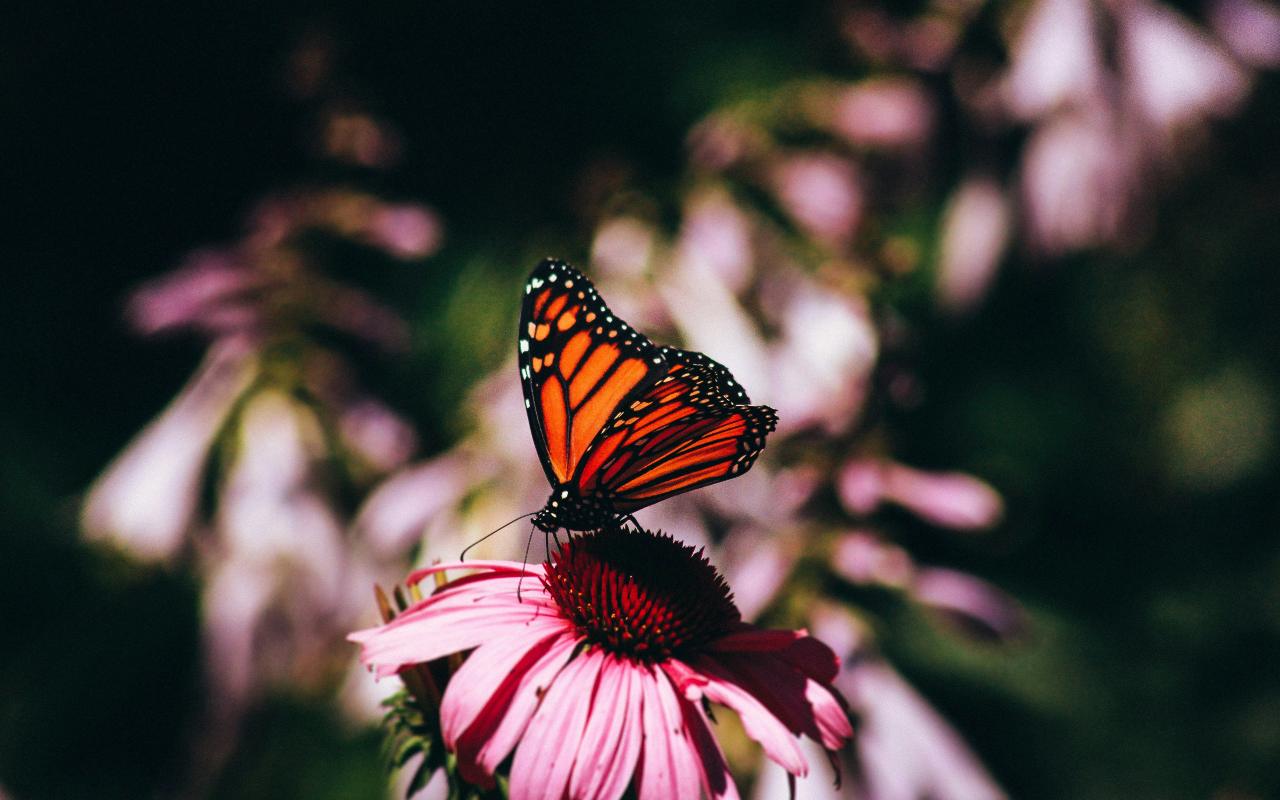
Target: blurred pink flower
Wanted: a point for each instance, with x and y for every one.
(720, 141)
(1056, 60)
(622, 247)
(821, 368)
(377, 435)
(975, 232)
(360, 139)
(270, 509)
(823, 193)
(1080, 175)
(864, 558)
(905, 749)
(1251, 29)
(716, 237)
(887, 113)
(950, 500)
(147, 498)
(1176, 75)
(393, 517)
(973, 605)
(712, 320)
(211, 292)
(407, 230)
(628, 705)
(359, 314)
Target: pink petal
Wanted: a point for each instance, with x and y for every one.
(204, 290)
(544, 759)
(148, 497)
(524, 702)
(884, 112)
(864, 558)
(479, 695)
(759, 722)
(823, 193)
(949, 499)
(450, 630)
(906, 750)
(774, 684)
(756, 640)
(492, 566)
(491, 670)
(831, 714)
(813, 658)
(801, 703)
(667, 768)
(717, 781)
(1176, 74)
(1251, 29)
(611, 743)
(407, 231)
(1056, 59)
(394, 515)
(974, 605)
(975, 231)
(380, 436)
(796, 647)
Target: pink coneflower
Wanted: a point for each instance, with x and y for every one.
(595, 671)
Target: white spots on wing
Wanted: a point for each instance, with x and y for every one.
(524, 345)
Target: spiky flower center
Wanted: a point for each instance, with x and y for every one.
(640, 594)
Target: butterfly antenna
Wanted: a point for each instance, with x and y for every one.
(463, 557)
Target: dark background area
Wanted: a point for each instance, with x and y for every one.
(134, 133)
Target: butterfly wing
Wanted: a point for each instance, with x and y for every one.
(578, 364)
(693, 427)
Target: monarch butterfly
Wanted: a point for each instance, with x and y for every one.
(618, 421)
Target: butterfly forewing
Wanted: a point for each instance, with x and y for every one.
(578, 365)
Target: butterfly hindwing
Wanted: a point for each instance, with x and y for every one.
(578, 365)
(691, 428)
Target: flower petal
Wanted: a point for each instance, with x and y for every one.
(544, 759)
(611, 742)
(717, 781)
(667, 767)
(491, 566)
(448, 630)
(759, 722)
(491, 673)
(524, 701)
(813, 658)
(756, 640)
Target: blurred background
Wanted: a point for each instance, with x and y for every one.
(1007, 269)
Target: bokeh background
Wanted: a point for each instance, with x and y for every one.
(1110, 367)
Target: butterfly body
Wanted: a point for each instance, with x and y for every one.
(568, 509)
(619, 422)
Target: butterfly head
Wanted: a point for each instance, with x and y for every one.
(547, 520)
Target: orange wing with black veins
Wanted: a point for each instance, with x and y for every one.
(693, 427)
(578, 365)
